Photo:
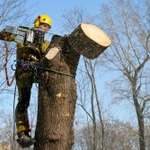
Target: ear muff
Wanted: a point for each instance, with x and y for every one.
(37, 22)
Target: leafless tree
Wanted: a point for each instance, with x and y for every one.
(8, 130)
(118, 135)
(129, 29)
(91, 71)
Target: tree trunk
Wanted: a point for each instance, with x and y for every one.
(57, 88)
(57, 100)
(89, 40)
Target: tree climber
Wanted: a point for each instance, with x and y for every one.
(26, 54)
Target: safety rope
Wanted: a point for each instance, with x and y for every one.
(55, 71)
(13, 140)
(35, 67)
(5, 65)
(9, 84)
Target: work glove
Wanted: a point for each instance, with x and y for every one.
(44, 46)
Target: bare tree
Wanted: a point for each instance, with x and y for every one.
(118, 135)
(7, 130)
(11, 11)
(128, 26)
(91, 71)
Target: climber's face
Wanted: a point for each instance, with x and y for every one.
(45, 27)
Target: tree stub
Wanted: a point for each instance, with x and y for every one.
(89, 40)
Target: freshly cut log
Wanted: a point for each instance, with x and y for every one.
(89, 40)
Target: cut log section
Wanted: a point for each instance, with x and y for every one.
(89, 40)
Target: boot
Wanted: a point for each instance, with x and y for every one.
(24, 139)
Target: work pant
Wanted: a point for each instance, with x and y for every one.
(24, 80)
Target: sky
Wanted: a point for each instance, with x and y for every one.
(55, 8)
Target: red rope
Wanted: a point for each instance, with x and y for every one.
(5, 65)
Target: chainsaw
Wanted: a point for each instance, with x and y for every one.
(26, 35)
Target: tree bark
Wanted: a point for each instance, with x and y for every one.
(57, 99)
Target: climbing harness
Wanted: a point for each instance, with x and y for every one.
(55, 71)
(27, 65)
(35, 67)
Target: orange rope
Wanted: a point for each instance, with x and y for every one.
(6, 70)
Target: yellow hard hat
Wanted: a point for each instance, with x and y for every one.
(42, 19)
